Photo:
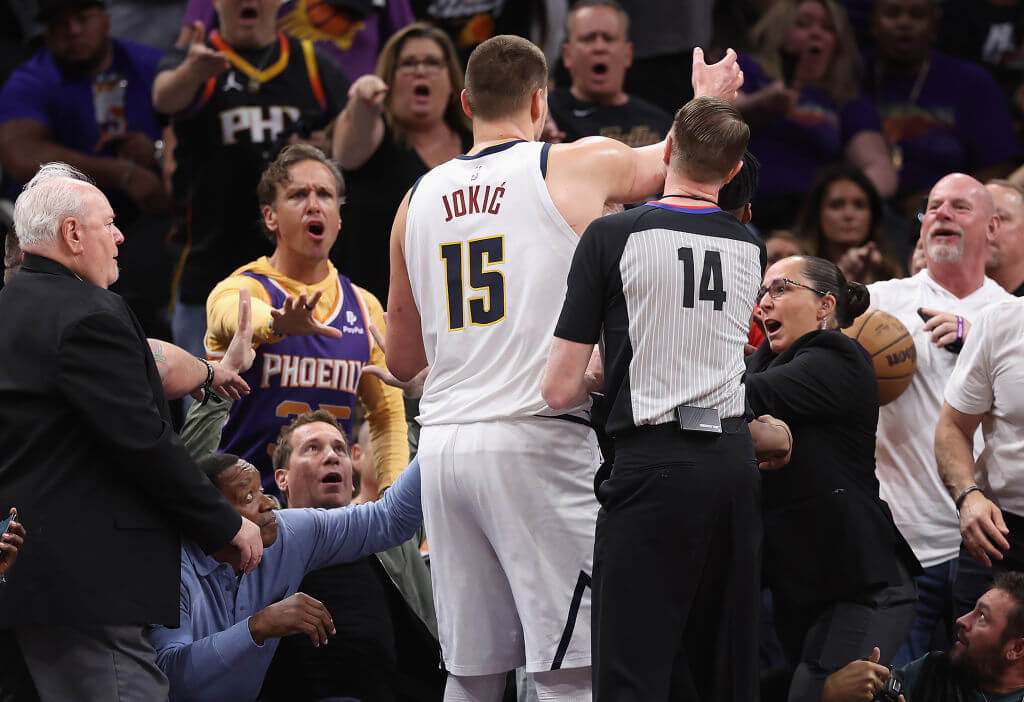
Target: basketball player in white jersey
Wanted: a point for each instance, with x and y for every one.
(480, 250)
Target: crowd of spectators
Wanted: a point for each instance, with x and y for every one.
(888, 137)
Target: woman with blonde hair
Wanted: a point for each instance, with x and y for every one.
(802, 98)
(399, 122)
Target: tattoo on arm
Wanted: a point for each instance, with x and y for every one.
(158, 352)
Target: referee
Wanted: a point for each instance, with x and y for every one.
(677, 549)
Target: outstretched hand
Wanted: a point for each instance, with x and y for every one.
(413, 388)
(204, 62)
(227, 379)
(722, 80)
(295, 318)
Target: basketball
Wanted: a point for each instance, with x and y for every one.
(891, 348)
(327, 18)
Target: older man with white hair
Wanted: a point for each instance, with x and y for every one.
(959, 222)
(88, 455)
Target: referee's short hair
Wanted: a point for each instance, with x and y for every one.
(709, 137)
(502, 74)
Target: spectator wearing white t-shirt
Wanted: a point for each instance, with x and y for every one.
(986, 388)
(958, 224)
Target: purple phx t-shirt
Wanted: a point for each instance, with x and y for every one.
(353, 43)
(792, 149)
(37, 90)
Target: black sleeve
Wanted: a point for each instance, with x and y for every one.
(816, 382)
(335, 83)
(102, 374)
(171, 59)
(583, 309)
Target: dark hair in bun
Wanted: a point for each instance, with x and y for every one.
(852, 299)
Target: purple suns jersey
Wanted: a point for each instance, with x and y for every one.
(299, 374)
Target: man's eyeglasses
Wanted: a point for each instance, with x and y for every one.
(778, 287)
(430, 64)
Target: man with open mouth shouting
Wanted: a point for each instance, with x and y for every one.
(311, 324)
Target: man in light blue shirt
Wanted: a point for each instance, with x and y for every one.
(230, 623)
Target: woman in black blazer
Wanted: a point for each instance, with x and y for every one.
(839, 571)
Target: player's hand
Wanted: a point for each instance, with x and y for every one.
(859, 260)
(298, 614)
(370, 90)
(943, 326)
(12, 540)
(551, 133)
(413, 388)
(202, 61)
(857, 681)
(295, 317)
(722, 79)
(773, 442)
(249, 544)
(983, 529)
(145, 188)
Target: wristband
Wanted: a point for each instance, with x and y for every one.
(963, 495)
(208, 383)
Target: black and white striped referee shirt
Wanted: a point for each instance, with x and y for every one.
(673, 288)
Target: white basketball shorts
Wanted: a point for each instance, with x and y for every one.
(509, 510)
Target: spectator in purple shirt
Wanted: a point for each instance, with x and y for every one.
(802, 98)
(85, 99)
(941, 114)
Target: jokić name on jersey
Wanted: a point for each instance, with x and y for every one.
(474, 199)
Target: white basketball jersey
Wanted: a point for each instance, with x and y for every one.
(488, 254)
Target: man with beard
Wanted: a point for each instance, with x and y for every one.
(959, 222)
(986, 663)
(84, 99)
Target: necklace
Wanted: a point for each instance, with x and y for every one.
(692, 197)
(895, 133)
(256, 74)
(254, 81)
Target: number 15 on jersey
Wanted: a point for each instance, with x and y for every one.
(480, 256)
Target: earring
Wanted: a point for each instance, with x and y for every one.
(824, 324)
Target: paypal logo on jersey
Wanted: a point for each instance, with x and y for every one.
(350, 324)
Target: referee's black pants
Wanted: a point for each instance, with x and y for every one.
(677, 559)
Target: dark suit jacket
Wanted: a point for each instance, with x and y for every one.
(101, 481)
(827, 534)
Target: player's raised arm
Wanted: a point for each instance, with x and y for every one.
(404, 351)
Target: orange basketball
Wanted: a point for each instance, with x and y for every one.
(327, 18)
(892, 351)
